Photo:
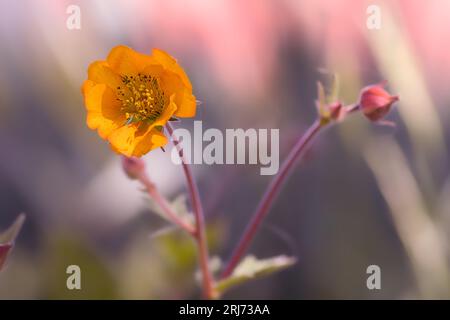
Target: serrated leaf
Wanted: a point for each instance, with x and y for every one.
(178, 206)
(252, 268)
(8, 237)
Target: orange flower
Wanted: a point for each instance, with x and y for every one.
(131, 96)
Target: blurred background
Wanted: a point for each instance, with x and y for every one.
(364, 194)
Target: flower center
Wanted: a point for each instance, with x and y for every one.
(141, 97)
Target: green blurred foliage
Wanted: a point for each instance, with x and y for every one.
(62, 250)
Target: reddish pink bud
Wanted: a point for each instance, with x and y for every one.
(8, 237)
(375, 102)
(4, 250)
(133, 167)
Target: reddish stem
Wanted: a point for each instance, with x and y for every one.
(270, 195)
(200, 236)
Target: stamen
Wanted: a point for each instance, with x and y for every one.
(141, 97)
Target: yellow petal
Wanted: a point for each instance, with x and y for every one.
(87, 86)
(184, 99)
(100, 72)
(186, 104)
(154, 70)
(166, 114)
(136, 140)
(102, 107)
(152, 140)
(126, 61)
(169, 63)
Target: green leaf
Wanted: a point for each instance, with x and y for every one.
(178, 252)
(62, 249)
(252, 268)
(8, 237)
(327, 97)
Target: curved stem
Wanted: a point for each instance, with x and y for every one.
(200, 236)
(162, 202)
(270, 195)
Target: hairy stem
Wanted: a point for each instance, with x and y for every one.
(200, 236)
(270, 195)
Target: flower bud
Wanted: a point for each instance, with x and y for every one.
(375, 102)
(133, 167)
(4, 251)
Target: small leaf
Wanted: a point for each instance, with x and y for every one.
(321, 101)
(174, 119)
(333, 96)
(8, 237)
(178, 206)
(252, 268)
(163, 231)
